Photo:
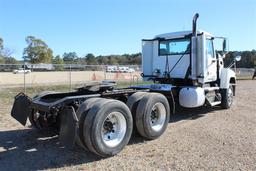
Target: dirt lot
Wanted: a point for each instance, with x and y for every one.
(201, 139)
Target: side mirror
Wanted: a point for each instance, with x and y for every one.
(238, 58)
(224, 46)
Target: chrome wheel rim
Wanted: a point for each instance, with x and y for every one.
(157, 117)
(113, 129)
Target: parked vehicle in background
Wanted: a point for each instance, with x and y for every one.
(123, 69)
(131, 70)
(21, 71)
(119, 69)
(111, 68)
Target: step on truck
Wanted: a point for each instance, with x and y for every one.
(186, 70)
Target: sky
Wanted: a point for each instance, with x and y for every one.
(105, 27)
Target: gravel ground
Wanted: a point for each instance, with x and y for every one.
(199, 139)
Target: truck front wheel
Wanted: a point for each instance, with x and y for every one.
(226, 97)
(152, 115)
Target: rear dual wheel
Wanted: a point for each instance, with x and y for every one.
(151, 113)
(105, 126)
(81, 115)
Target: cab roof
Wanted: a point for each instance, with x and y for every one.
(180, 34)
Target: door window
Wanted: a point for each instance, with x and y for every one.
(210, 51)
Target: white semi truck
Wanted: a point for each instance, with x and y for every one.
(188, 61)
(186, 69)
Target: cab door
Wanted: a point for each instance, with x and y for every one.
(211, 61)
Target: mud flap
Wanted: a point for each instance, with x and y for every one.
(68, 127)
(21, 108)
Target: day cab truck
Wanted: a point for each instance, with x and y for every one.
(186, 70)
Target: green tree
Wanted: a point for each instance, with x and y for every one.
(112, 60)
(70, 57)
(59, 62)
(2, 60)
(102, 60)
(5, 54)
(1, 49)
(247, 60)
(1, 43)
(37, 51)
(10, 60)
(90, 59)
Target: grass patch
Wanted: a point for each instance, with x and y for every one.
(244, 78)
(7, 94)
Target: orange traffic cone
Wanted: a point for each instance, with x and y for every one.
(118, 75)
(94, 78)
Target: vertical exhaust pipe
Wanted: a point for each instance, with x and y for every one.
(196, 16)
(194, 59)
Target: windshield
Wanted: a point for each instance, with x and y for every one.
(174, 47)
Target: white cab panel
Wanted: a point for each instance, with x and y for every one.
(179, 71)
(225, 76)
(147, 58)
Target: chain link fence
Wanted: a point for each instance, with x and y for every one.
(71, 75)
(244, 73)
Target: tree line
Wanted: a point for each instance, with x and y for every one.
(37, 51)
(248, 59)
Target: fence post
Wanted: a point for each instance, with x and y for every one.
(104, 69)
(131, 79)
(69, 77)
(24, 76)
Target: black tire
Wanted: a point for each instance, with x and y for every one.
(227, 97)
(132, 104)
(95, 121)
(81, 113)
(146, 125)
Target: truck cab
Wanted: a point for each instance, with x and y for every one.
(196, 60)
(189, 61)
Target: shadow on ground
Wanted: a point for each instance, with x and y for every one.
(191, 114)
(29, 149)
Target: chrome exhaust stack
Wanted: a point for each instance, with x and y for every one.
(194, 59)
(194, 30)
